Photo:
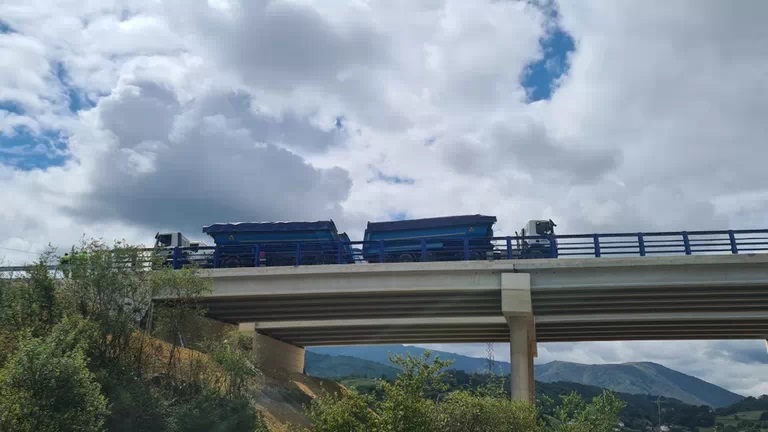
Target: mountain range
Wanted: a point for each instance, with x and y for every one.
(642, 378)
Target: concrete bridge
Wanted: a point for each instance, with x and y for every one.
(520, 301)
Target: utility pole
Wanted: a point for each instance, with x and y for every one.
(489, 356)
(658, 406)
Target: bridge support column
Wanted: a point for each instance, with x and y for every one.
(517, 309)
(272, 354)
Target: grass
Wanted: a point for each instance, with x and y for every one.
(735, 419)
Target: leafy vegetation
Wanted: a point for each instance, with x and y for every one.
(80, 350)
(746, 404)
(639, 413)
(419, 400)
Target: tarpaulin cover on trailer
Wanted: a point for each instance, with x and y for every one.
(428, 223)
(270, 227)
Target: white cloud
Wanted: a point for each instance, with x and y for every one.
(204, 111)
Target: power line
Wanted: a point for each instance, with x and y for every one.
(18, 250)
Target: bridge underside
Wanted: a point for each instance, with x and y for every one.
(495, 329)
(437, 303)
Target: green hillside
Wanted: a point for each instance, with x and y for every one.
(334, 367)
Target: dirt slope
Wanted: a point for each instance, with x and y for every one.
(282, 398)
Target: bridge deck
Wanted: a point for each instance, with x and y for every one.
(650, 298)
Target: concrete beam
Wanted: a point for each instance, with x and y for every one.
(274, 355)
(659, 317)
(377, 322)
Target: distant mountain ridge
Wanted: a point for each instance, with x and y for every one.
(335, 367)
(634, 378)
(640, 378)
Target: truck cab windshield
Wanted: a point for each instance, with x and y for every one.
(544, 228)
(163, 240)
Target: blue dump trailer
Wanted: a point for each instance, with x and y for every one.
(443, 239)
(248, 244)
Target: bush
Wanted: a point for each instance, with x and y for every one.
(418, 401)
(206, 411)
(575, 415)
(337, 413)
(45, 390)
(467, 412)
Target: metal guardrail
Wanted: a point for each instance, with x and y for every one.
(458, 249)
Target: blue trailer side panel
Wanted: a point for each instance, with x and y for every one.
(282, 243)
(444, 237)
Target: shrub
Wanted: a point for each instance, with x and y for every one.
(45, 390)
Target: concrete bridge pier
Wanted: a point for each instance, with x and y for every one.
(517, 308)
(274, 355)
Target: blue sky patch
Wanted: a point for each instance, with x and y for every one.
(26, 150)
(11, 106)
(77, 102)
(540, 77)
(391, 179)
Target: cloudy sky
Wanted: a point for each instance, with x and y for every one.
(122, 118)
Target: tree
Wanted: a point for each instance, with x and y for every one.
(28, 303)
(45, 389)
(464, 411)
(575, 415)
(110, 287)
(233, 356)
(341, 413)
(180, 313)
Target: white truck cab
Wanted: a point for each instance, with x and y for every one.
(535, 247)
(171, 240)
(190, 254)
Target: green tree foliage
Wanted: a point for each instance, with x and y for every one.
(341, 413)
(405, 406)
(204, 410)
(178, 317)
(79, 352)
(233, 356)
(27, 306)
(575, 415)
(48, 388)
(465, 411)
(418, 401)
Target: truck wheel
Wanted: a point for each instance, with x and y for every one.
(405, 258)
(230, 262)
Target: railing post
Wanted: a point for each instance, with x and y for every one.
(298, 253)
(176, 255)
(466, 248)
(423, 250)
(732, 237)
(553, 246)
(641, 243)
(257, 255)
(596, 242)
(686, 243)
(216, 254)
(509, 247)
(381, 251)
